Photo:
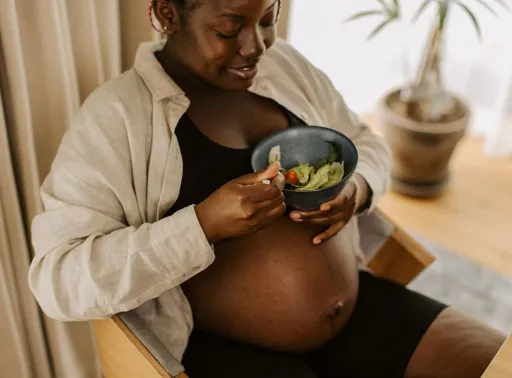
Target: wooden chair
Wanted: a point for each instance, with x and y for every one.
(127, 349)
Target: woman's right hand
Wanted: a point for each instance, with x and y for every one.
(243, 206)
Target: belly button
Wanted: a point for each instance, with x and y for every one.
(335, 310)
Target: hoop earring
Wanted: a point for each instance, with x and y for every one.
(150, 15)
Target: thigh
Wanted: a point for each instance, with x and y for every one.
(387, 324)
(456, 345)
(208, 355)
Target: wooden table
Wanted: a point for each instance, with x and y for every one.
(501, 366)
(473, 218)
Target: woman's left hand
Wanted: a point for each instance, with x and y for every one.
(336, 213)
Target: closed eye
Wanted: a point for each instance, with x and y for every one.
(228, 36)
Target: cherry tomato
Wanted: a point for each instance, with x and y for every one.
(291, 177)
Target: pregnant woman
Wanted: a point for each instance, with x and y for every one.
(151, 206)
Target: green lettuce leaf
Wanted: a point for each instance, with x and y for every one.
(335, 175)
(303, 171)
(317, 179)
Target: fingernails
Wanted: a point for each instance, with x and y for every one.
(317, 241)
(296, 216)
(325, 207)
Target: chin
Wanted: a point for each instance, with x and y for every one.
(232, 84)
(241, 85)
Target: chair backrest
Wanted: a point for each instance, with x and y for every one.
(128, 349)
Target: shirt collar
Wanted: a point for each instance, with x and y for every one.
(160, 84)
(151, 71)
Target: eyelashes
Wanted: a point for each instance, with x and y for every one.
(231, 36)
(225, 36)
(265, 25)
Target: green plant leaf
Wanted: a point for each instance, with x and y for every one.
(385, 6)
(472, 17)
(379, 27)
(503, 4)
(363, 14)
(443, 12)
(420, 10)
(393, 10)
(487, 6)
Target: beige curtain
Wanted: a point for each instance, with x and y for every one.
(53, 53)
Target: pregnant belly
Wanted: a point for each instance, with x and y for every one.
(275, 289)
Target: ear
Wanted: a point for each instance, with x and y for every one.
(167, 15)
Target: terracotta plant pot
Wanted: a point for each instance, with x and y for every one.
(421, 151)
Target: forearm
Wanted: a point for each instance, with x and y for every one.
(374, 164)
(76, 277)
(364, 193)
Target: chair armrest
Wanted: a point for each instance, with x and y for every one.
(501, 365)
(127, 349)
(399, 257)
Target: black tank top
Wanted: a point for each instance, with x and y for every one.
(208, 165)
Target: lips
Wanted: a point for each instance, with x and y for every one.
(246, 72)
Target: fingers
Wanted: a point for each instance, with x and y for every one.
(344, 203)
(326, 210)
(261, 192)
(270, 203)
(257, 178)
(261, 201)
(276, 212)
(279, 181)
(329, 220)
(300, 216)
(263, 216)
(329, 233)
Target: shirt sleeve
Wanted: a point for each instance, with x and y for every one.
(93, 256)
(374, 155)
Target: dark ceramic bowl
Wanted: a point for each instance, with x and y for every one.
(307, 144)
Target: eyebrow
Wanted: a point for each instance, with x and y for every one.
(234, 15)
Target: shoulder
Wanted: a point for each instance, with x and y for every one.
(284, 52)
(288, 63)
(286, 59)
(115, 106)
(117, 99)
(112, 118)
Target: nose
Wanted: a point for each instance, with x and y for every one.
(253, 45)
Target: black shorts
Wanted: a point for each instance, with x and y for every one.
(386, 326)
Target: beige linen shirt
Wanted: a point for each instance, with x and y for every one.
(103, 245)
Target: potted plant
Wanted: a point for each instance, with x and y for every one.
(422, 121)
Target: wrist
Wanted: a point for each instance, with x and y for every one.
(363, 193)
(207, 224)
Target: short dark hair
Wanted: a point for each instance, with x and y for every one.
(191, 4)
(186, 4)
